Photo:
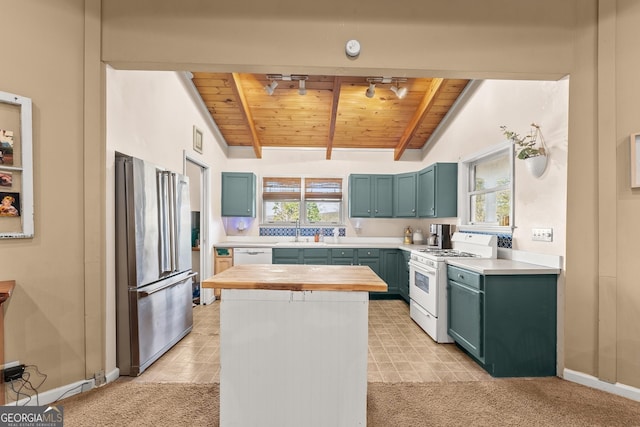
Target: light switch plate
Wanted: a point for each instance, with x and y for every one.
(542, 234)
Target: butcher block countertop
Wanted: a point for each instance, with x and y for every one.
(298, 278)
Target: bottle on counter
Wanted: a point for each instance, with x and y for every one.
(408, 236)
(417, 237)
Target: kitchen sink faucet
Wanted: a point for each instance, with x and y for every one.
(297, 230)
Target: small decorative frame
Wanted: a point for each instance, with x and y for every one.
(635, 160)
(16, 167)
(197, 139)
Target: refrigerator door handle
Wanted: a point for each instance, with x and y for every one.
(173, 221)
(146, 293)
(164, 224)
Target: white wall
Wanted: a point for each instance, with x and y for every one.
(150, 115)
(539, 202)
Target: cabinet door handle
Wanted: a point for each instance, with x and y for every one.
(460, 276)
(368, 210)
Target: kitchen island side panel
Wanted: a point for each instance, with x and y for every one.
(293, 358)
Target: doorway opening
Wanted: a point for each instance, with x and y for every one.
(198, 173)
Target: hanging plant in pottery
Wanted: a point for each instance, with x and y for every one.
(528, 149)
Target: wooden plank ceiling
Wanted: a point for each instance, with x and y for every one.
(334, 112)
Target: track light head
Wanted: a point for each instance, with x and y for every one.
(400, 92)
(271, 87)
(371, 90)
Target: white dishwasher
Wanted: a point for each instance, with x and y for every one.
(251, 256)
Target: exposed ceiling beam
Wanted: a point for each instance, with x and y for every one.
(425, 105)
(246, 112)
(337, 83)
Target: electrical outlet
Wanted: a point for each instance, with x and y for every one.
(10, 364)
(13, 373)
(542, 234)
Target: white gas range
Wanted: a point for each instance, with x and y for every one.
(428, 279)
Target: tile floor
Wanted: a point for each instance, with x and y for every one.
(399, 351)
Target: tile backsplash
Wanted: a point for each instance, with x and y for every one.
(304, 231)
(505, 241)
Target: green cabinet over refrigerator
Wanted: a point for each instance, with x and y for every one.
(238, 194)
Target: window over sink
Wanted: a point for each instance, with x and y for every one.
(311, 201)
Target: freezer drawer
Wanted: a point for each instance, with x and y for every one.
(159, 316)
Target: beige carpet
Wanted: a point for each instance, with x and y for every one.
(504, 402)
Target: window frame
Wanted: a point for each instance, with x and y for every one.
(465, 191)
(302, 201)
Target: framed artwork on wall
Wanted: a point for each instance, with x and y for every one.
(197, 139)
(635, 160)
(16, 167)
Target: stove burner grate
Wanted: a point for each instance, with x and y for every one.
(448, 253)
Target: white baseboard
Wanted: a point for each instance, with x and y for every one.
(51, 396)
(593, 382)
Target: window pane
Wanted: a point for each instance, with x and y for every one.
(278, 211)
(491, 208)
(323, 211)
(492, 173)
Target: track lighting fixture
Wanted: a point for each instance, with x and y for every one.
(400, 92)
(301, 79)
(271, 87)
(371, 90)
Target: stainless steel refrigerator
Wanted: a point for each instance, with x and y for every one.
(153, 262)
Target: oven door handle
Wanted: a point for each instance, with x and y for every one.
(416, 266)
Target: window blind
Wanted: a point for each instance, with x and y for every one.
(323, 188)
(281, 188)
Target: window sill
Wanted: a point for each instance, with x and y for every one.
(493, 229)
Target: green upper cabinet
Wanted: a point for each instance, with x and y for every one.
(360, 195)
(404, 195)
(438, 191)
(370, 196)
(238, 194)
(383, 196)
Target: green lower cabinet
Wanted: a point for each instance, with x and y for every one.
(391, 269)
(370, 260)
(389, 264)
(386, 264)
(286, 256)
(507, 323)
(403, 281)
(315, 256)
(342, 256)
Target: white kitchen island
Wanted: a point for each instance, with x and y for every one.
(293, 344)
